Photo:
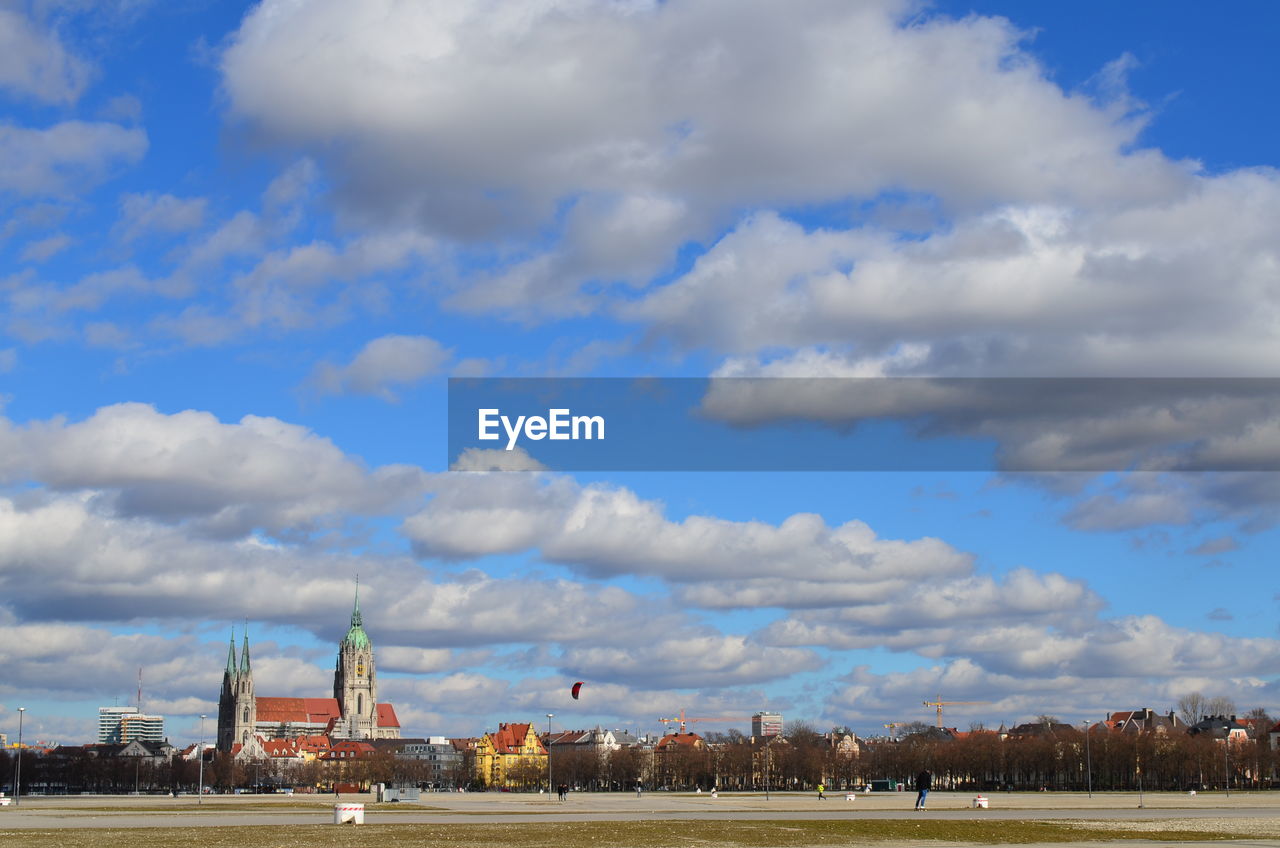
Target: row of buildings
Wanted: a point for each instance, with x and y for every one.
(353, 728)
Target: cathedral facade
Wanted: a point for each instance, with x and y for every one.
(352, 713)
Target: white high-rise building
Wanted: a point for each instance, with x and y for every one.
(125, 724)
(764, 725)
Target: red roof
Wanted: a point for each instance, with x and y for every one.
(510, 738)
(349, 749)
(298, 710)
(387, 716)
(675, 741)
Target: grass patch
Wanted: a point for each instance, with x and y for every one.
(644, 834)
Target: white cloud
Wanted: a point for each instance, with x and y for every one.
(229, 478)
(65, 158)
(494, 459)
(42, 249)
(1022, 290)
(663, 120)
(62, 560)
(381, 364)
(34, 63)
(1014, 698)
(141, 214)
(690, 661)
(605, 532)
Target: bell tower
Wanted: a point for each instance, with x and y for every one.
(355, 683)
(237, 705)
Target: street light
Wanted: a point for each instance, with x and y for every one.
(767, 741)
(200, 754)
(549, 717)
(1226, 769)
(1088, 761)
(17, 767)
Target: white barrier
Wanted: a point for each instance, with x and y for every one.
(849, 796)
(343, 813)
(980, 803)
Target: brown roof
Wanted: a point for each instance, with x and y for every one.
(298, 710)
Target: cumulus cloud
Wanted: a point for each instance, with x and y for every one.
(604, 532)
(66, 158)
(385, 362)
(692, 660)
(229, 478)
(62, 560)
(1014, 698)
(664, 120)
(1020, 290)
(141, 214)
(914, 616)
(42, 249)
(34, 62)
(494, 459)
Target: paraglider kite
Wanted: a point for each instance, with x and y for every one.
(577, 687)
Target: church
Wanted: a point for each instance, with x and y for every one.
(352, 713)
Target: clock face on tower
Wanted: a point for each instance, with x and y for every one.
(360, 668)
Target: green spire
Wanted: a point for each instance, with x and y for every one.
(244, 657)
(231, 654)
(356, 636)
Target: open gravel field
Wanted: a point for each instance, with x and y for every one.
(656, 820)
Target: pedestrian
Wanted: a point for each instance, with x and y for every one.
(639, 789)
(821, 790)
(924, 782)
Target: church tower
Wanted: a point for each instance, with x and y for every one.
(237, 706)
(355, 683)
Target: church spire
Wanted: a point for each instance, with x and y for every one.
(231, 654)
(244, 657)
(356, 619)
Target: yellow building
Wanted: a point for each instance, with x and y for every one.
(513, 757)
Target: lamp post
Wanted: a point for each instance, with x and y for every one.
(1226, 769)
(200, 754)
(768, 740)
(1088, 760)
(549, 717)
(1139, 764)
(17, 766)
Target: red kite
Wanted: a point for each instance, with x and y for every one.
(576, 688)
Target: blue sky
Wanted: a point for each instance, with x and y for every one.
(243, 246)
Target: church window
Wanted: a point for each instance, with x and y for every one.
(359, 704)
(246, 713)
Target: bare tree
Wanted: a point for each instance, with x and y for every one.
(1193, 707)
(1221, 706)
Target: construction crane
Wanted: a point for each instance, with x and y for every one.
(682, 718)
(939, 703)
(893, 726)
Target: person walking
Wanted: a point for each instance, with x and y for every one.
(924, 782)
(821, 790)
